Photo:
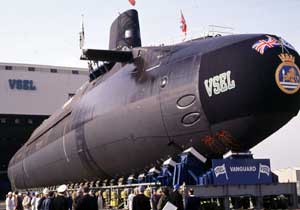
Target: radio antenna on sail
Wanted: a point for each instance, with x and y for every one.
(81, 34)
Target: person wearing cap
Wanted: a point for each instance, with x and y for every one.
(86, 202)
(140, 201)
(176, 197)
(60, 202)
(10, 202)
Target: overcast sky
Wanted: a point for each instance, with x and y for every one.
(47, 32)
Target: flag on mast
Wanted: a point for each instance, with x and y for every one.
(132, 2)
(183, 25)
(81, 34)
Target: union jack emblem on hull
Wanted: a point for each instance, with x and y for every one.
(263, 44)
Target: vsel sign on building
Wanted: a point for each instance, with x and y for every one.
(20, 84)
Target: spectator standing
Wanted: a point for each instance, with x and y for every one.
(10, 202)
(74, 199)
(15, 197)
(19, 200)
(26, 201)
(192, 202)
(95, 198)
(48, 201)
(86, 202)
(43, 197)
(37, 200)
(100, 200)
(69, 200)
(33, 201)
(60, 202)
(165, 197)
(176, 197)
(78, 195)
(155, 198)
(130, 198)
(140, 201)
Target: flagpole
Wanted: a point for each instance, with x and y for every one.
(81, 34)
(259, 172)
(225, 171)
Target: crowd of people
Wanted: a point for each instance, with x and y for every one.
(84, 199)
(139, 200)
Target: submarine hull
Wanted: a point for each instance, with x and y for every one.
(214, 94)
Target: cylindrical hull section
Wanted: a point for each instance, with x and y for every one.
(215, 95)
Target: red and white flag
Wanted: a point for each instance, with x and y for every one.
(183, 25)
(132, 2)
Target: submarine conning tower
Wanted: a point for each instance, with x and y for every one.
(125, 31)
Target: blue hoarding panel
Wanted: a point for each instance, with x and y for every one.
(241, 171)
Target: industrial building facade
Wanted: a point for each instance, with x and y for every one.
(28, 95)
(289, 175)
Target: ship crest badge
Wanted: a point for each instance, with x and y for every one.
(288, 74)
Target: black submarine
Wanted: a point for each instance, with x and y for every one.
(145, 104)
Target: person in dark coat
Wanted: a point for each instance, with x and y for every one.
(48, 202)
(176, 198)
(19, 200)
(69, 201)
(60, 202)
(43, 197)
(155, 199)
(140, 201)
(164, 198)
(192, 202)
(76, 197)
(86, 202)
